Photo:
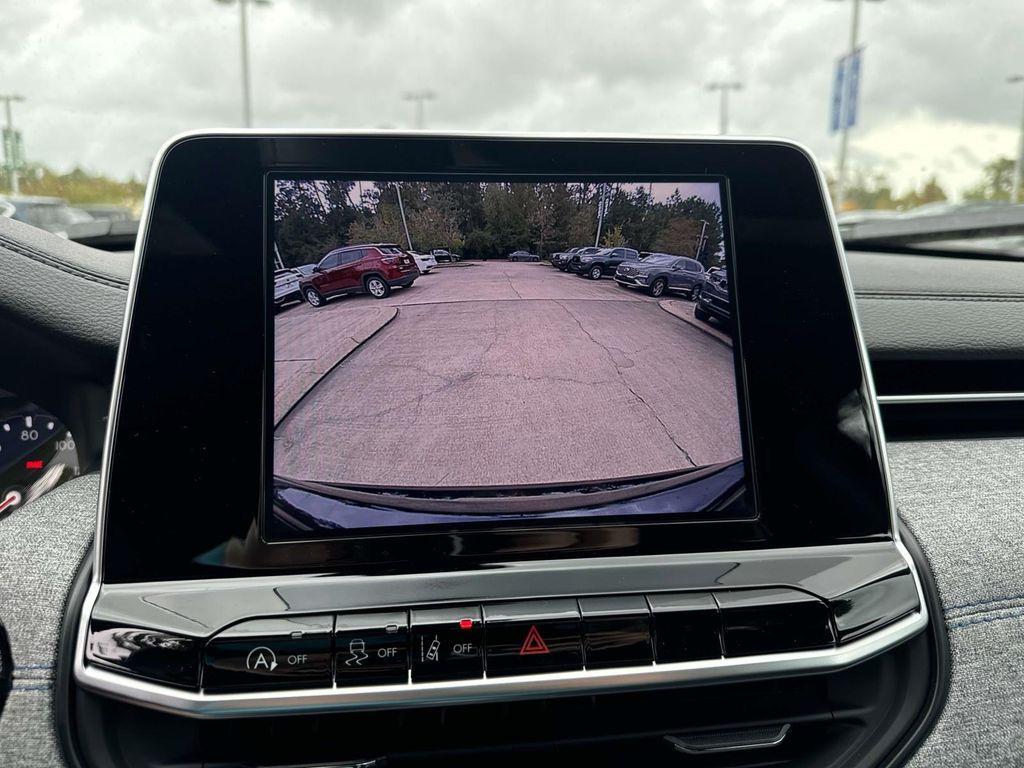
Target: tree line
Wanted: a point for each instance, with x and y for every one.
(490, 220)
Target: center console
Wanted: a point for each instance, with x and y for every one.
(341, 480)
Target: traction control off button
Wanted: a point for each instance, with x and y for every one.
(371, 648)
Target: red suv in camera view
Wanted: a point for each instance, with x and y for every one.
(373, 268)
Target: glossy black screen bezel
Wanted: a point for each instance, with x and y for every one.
(184, 473)
(742, 508)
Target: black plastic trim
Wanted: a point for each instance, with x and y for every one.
(941, 655)
(64, 686)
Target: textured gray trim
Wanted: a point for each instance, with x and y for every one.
(962, 500)
(41, 548)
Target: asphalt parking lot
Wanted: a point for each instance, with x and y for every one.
(504, 373)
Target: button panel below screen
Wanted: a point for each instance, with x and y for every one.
(529, 637)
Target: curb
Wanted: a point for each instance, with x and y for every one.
(684, 311)
(313, 371)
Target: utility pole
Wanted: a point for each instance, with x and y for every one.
(420, 97)
(702, 240)
(602, 204)
(1018, 166)
(844, 139)
(723, 102)
(401, 209)
(243, 22)
(845, 135)
(11, 158)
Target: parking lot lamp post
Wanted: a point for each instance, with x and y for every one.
(420, 97)
(1018, 166)
(11, 144)
(401, 210)
(845, 135)
(723, 102)
(702, 240)
(602, 194)
(243, 22)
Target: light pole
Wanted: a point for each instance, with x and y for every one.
(723, 104)
(845, 136)
(1018, 166)
(401, 209)
(11, 144)
(420, 97)
(243, 21)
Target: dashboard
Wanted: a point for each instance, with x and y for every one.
(326, 571)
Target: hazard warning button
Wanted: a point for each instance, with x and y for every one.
(533, 636)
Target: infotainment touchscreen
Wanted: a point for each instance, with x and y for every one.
(451, 353)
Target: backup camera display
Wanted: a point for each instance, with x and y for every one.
(457, 353)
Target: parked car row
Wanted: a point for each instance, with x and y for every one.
(655, 273)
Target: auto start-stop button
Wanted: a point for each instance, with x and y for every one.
(270, 653)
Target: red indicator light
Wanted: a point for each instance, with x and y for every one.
(35, 464)
(465, 623)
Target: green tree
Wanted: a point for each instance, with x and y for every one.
(613, 237)
(679, 237)
(930, 192)
(996, 181)
(79, 187)
(507, 208)
(581, 228)
(311, 218)
(479, 244)
(550, 218)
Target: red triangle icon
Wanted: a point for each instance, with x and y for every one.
(533, 644)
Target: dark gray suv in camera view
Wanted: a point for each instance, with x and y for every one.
(603, 262)
(663, 272)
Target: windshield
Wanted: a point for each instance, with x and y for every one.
(900, 120)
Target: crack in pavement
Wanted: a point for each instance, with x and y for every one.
(511, 286)
(637, 395)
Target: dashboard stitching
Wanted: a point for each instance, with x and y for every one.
(980, 603)
(985, 618)
(22, 250)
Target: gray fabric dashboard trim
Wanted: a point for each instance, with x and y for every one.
(963, 500)
(41, 548)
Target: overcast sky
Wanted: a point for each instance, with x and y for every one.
(107, 81)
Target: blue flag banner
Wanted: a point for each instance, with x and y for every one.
(838, 95)
(852, 88)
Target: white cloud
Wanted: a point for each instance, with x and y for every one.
(108, 81)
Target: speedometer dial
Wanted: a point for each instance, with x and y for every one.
(37, 453)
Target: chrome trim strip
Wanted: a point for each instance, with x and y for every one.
(952, 397)
(722, 670)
